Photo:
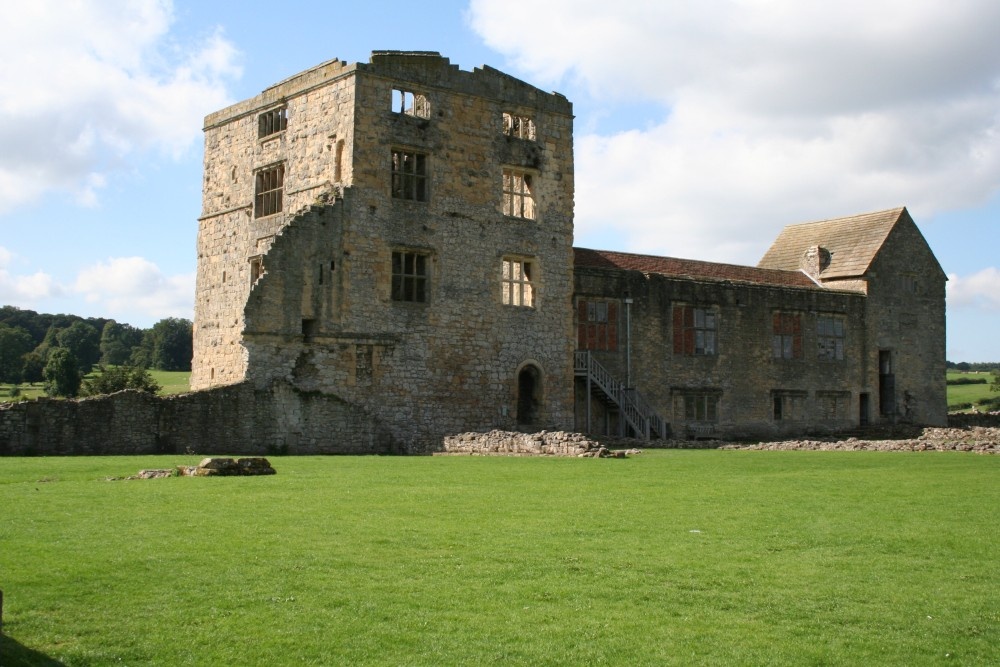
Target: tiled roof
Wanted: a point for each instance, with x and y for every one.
(852, 242)
(688, 268)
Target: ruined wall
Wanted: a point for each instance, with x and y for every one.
(237, 419)
(314, 150)
(742, 374)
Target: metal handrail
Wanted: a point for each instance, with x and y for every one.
(634, 407)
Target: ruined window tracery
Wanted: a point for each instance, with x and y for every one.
(409, 276)
(272, 122)
(409, 175)
(410, 103)
(830, 337)
(786, 342)
(518, 194)
(268, 191)
(695, 330)
(521, 127)
(518, 283)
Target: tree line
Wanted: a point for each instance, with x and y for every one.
(60, 350)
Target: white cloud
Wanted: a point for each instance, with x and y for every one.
(23, 290)
(87, 84)
(979, 290)
(772, 111)
(135, 289)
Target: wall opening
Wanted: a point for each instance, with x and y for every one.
(529, 392)
(886, 383)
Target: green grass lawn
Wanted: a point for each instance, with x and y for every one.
(668, 558)
(961, 394)
(171, 382)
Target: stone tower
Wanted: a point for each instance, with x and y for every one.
(396, 234)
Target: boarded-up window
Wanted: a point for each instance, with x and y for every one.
(597, 325)
(695, 330)
(834, 405)
(786, 342)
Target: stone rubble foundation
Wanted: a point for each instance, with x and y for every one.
(977, 439)
(543, 443)
(213, 467)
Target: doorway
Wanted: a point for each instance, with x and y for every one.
(529, 391)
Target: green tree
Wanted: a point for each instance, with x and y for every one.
(15, 342)
(119, 378)
(34, 364)
(62, 373)
(996, 382)
(173, 344)
(84, 341)
(117, 342)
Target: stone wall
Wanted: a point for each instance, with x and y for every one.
(237, 419)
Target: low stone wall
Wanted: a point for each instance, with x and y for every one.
(236, 419)
(968, 419)
(976, 439)
(509, 443)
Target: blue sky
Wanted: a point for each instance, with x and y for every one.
(701, 128)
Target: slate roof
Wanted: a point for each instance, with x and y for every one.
(853, 243)
(689, 268)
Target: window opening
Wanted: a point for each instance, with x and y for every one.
(597, 325)
(830, 338)
(256, 269)
(410, 103)
(409, 277)
(518, 194)
(528, 392)
(521, 127)
(789, 405)
(270, 184)
(272, 122)
(695, 331)
(409, 175)
(701, 407)
(518, 285)
(786, 342)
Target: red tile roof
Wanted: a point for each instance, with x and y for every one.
(689, 268)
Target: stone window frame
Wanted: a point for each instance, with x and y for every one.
(831, 337)
(271, 122)
(519, 200)
(269, 185)
(786, 335)
(410, 273)
(519, 126)
(701, 406)
(696, 330)
(256, 264)
(408, 102)
(410, 174)
(519, 278)
(789, 405)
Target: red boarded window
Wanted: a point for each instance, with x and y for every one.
(695, 331)
(786, 343)
(597, 325)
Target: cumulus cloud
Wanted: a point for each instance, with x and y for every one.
(978, 290)
(90, 83)
(23, 290)
(769, 112)
(134, 288)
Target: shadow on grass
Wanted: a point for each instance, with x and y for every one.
(14, 654)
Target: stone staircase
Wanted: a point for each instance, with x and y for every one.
(635, 411)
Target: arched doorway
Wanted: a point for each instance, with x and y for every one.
(529, 394)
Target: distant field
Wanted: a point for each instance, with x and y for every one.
(667, 558)
(958, 395)
(172, 382)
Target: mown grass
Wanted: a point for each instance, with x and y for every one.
(962, 395)
(171, 382)
(671, 557)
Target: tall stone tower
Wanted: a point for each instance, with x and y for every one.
(396, 234)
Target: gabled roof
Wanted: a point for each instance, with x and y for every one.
(688, 268)
(853, 242)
